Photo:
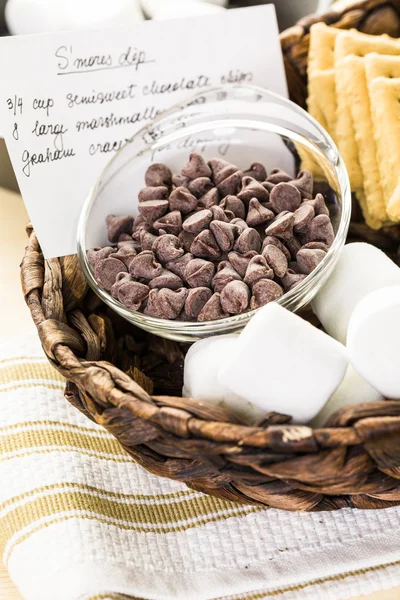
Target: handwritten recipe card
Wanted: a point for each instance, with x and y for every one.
(70, 100)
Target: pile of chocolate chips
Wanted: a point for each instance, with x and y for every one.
(213, 241)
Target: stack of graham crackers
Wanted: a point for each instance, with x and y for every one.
(354, 92)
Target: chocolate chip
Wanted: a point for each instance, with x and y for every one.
(210, 199)
(318, 205)
(186, 239)
(178, 265)
(158, 175)
(196, 167)
(170, 223)
(268, 186)
(270, 239)
(293, 267)
(276, 259)
(231, 185)
(179, 180)
(120, 280)
(278, 176)
(159, 192)
(225, 274)
(320, 229)
(146, 239)
(212, 310)
(293, 245)
(235, 297)
(265, 291)
(97, 253)
(315, 246)
(308, 259)
(123, 239)
(225, 234)
(251, 188)
(181, 199)
(249, 239)
(145, 266)
(185, 317)
(167, 247)
(132, 294)
(282, 227)
(304, 183)
(240, 223)
(126, 254)
(199, 273)
(240, 262)
(235, 205)
(257, 171)
(229, 215)
(221, 169)
(117, 225)
(303, 217)
(153, 209)
(219, 214)
(285, 196)
(166, 303)
(166, 279)
(106, 271)
(198, 221)
(200, 186)
(196, 299)
(140, 222)
(205, 246)
(257, 269)
(258, 214)
(291, 280)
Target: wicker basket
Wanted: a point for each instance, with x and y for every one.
(113, 370)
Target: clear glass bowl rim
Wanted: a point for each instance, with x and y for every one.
(191, 328)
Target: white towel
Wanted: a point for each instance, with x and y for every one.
(79, 520)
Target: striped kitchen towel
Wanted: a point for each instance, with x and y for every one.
(79, 520)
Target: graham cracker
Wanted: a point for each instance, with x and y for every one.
(324, 90)
(370, 221)
(358, 44)
(355, 81)
(321, 102)
(385, 111)
(321, 77)
(382, 65)
(344, 132)
(321, 55)
(313, 105)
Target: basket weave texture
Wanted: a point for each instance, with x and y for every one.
(114, 371)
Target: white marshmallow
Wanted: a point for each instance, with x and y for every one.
(361, 269)
(354, 389)
(282, 363)
(176, 9)
(373, 340)
(202, 365)
(42, 16)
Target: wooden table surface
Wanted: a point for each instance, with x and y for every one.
(15, 320)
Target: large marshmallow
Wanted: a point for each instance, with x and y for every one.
(354, 389)
(201, 376)
(282, 363)
(373, 340)
(361, 269)
(176, 9)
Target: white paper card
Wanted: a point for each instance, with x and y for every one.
(70, 100)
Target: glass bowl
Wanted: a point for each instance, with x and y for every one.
(241, 124)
